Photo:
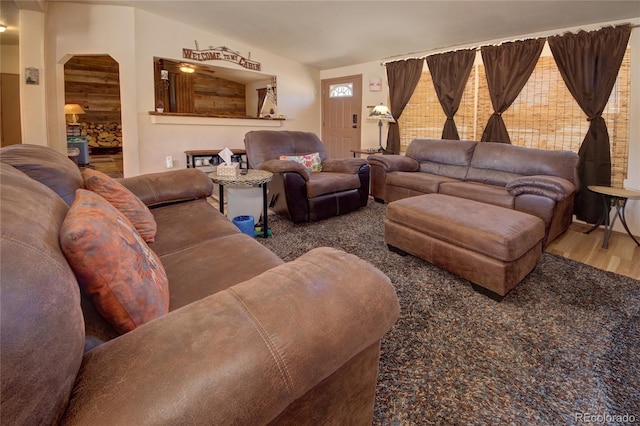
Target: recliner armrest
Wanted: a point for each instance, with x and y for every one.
(343, 165)
(393, 163)
(242, 355)
(170, 186)
(553, 187)
(285, 166)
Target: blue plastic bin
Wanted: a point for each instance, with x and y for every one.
(245, 224)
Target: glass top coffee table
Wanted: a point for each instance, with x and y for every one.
(252, 178)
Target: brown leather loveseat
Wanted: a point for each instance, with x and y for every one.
(535, 181)
(248, 339)
(341, 186)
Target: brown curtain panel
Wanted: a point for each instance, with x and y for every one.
(589, 63)
(508, 67)
(450, 72)
(403, 77)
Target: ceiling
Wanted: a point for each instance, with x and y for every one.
(331, 34)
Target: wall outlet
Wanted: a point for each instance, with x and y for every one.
(169, 161)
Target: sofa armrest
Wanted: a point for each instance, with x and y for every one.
(553, 187)
(242, 355)
(393, 163)
(169, 187)
(343, 165)
(285, 166)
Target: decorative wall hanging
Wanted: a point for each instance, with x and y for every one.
(221, 53)
(32, 75)
(375, 84)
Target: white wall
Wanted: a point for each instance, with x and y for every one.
(32, 97)
(133, 38)
(375, 69)
(298, 93)
(92, 30)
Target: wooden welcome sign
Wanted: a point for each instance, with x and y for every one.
(221, 53)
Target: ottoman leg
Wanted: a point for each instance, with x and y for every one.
(397, 250)
(493, 295)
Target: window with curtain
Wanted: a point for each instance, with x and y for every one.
(544, 115)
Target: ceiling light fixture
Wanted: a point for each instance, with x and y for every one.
(3, 28)
(187, 68)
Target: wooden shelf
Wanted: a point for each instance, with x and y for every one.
(212, 120)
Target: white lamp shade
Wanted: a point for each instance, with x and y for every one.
(73, 110)
(381, 112)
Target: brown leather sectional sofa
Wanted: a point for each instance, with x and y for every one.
(535, 181)
(249, 339)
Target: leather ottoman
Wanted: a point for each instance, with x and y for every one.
(493, 247)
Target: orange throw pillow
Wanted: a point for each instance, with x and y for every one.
(114, 266)
(124, 200)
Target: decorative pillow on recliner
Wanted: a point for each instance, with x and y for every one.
(114, 266)
(124, 200)
(312, 162)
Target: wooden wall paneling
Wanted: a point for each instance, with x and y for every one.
(184, 93)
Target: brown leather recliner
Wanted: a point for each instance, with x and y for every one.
(341, 187)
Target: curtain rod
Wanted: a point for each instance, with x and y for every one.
(410, 55)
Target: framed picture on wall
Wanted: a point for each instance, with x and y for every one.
(32, 75)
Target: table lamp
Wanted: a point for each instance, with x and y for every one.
(73, 110)
(380, 113)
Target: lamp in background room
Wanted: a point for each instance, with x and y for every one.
(73, 110)
(380, 113)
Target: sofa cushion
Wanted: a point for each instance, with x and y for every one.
(113, 264)
(311, 162)
(442, 157)
(425, 183)
(124, 200)
(498, 164)
(490, 194)
(185, 225)
(328, 182)
(47, 166)
(215, 265)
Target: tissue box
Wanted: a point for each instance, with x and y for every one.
(225, 170)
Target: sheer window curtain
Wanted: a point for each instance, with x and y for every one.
(589, 63)
(508, 68)
(403, 77)
(450, 72)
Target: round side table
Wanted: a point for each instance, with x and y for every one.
(613, 197)
(252, 178)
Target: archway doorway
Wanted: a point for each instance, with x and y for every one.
(93, 83)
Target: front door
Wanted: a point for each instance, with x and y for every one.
(341, 110)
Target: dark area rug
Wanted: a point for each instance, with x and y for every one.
(562, 346)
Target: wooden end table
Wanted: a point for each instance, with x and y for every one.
(613, 197)
(253, 178)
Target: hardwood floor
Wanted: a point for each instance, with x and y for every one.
(111, 165)
(622, 256)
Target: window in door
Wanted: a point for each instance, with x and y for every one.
(341, 90)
